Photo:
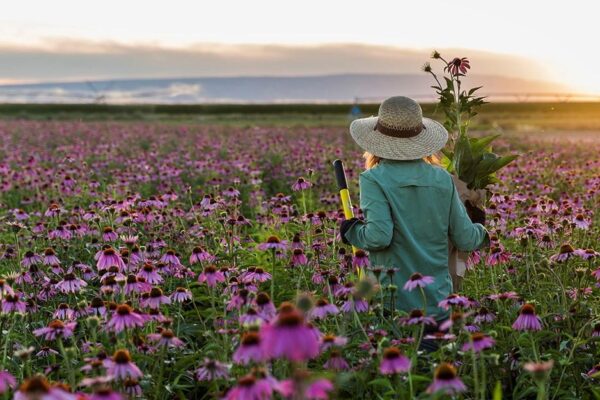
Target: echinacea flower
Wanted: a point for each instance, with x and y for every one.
(56, 329)
(453, 300)
(301, 184)
(394, 362)
(527, 319)
(122, 367)
(417, 280)
(13, 303)
(360, 259)
(445, 380)
(7, 381)
(249, 350)
(318, 389)
(250, 388)
(166, 338)
(124, 318)
(109, 235)
(273, 243)
(478, 342)
(50, 257)
(181, 295)
(566, 251)
(211, 370)
(211, 275)
(106, 393)
(336, 362)
(458, 66)
(200, 255)
(417, 317)
(71, 283)
(155, 299)
(108, 258)
(322, 309)
(289, 337)
(38, 388)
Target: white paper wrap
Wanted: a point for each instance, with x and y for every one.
(457, 260)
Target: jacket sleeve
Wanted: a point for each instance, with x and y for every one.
(376, 232)
(465, 235)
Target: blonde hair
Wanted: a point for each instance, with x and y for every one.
(371, 160)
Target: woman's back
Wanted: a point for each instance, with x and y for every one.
(411, 209)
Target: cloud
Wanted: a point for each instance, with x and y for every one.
(60, 60)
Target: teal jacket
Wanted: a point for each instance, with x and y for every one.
(411, 210)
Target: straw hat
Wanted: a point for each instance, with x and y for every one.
(399, 132)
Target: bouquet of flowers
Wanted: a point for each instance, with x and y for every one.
(470, 159)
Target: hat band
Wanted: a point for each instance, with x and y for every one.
(398, 132)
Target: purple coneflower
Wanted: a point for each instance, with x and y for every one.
(360, 259)
(273, 243)
(56, 329)
(527, 319)
(336, 362)
(329, 341)
(322, 309)
(121, 366)
(445, 380)
(181, 295)
(249, 388)
(484, 315)
(299, 258)
(38, 388)
(63, 311)
(318, 389)
(30, 258)
(200, 255)
(109, 235)
(166, 338)
(581, 222)
(257, 275)
(265, 306)
(50, 257)
(289, 337)
(478, 342)
(170, 258)
(301, 184)
(150, 274)
(211, 275)
(566, 251)
(416, 317)
(394, 362)
(417, 280)
(211, 370)
(71, 283)
(453, 300)
(249, 350)
(12, 303)
(109, 257)
(155, 299)
(458, 66)
(124, 318)
(7, 381)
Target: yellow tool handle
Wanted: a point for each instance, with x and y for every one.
(347, 206)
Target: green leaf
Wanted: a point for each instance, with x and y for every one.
(479, 144)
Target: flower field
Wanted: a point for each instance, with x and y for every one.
(181, 261)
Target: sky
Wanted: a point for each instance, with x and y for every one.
(73, 39)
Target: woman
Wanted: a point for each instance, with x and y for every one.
(411, 207)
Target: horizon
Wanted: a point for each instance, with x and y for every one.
(68, 40)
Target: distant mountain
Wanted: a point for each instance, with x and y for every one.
(326, 88)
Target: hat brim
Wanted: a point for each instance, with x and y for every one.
(429, 141)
